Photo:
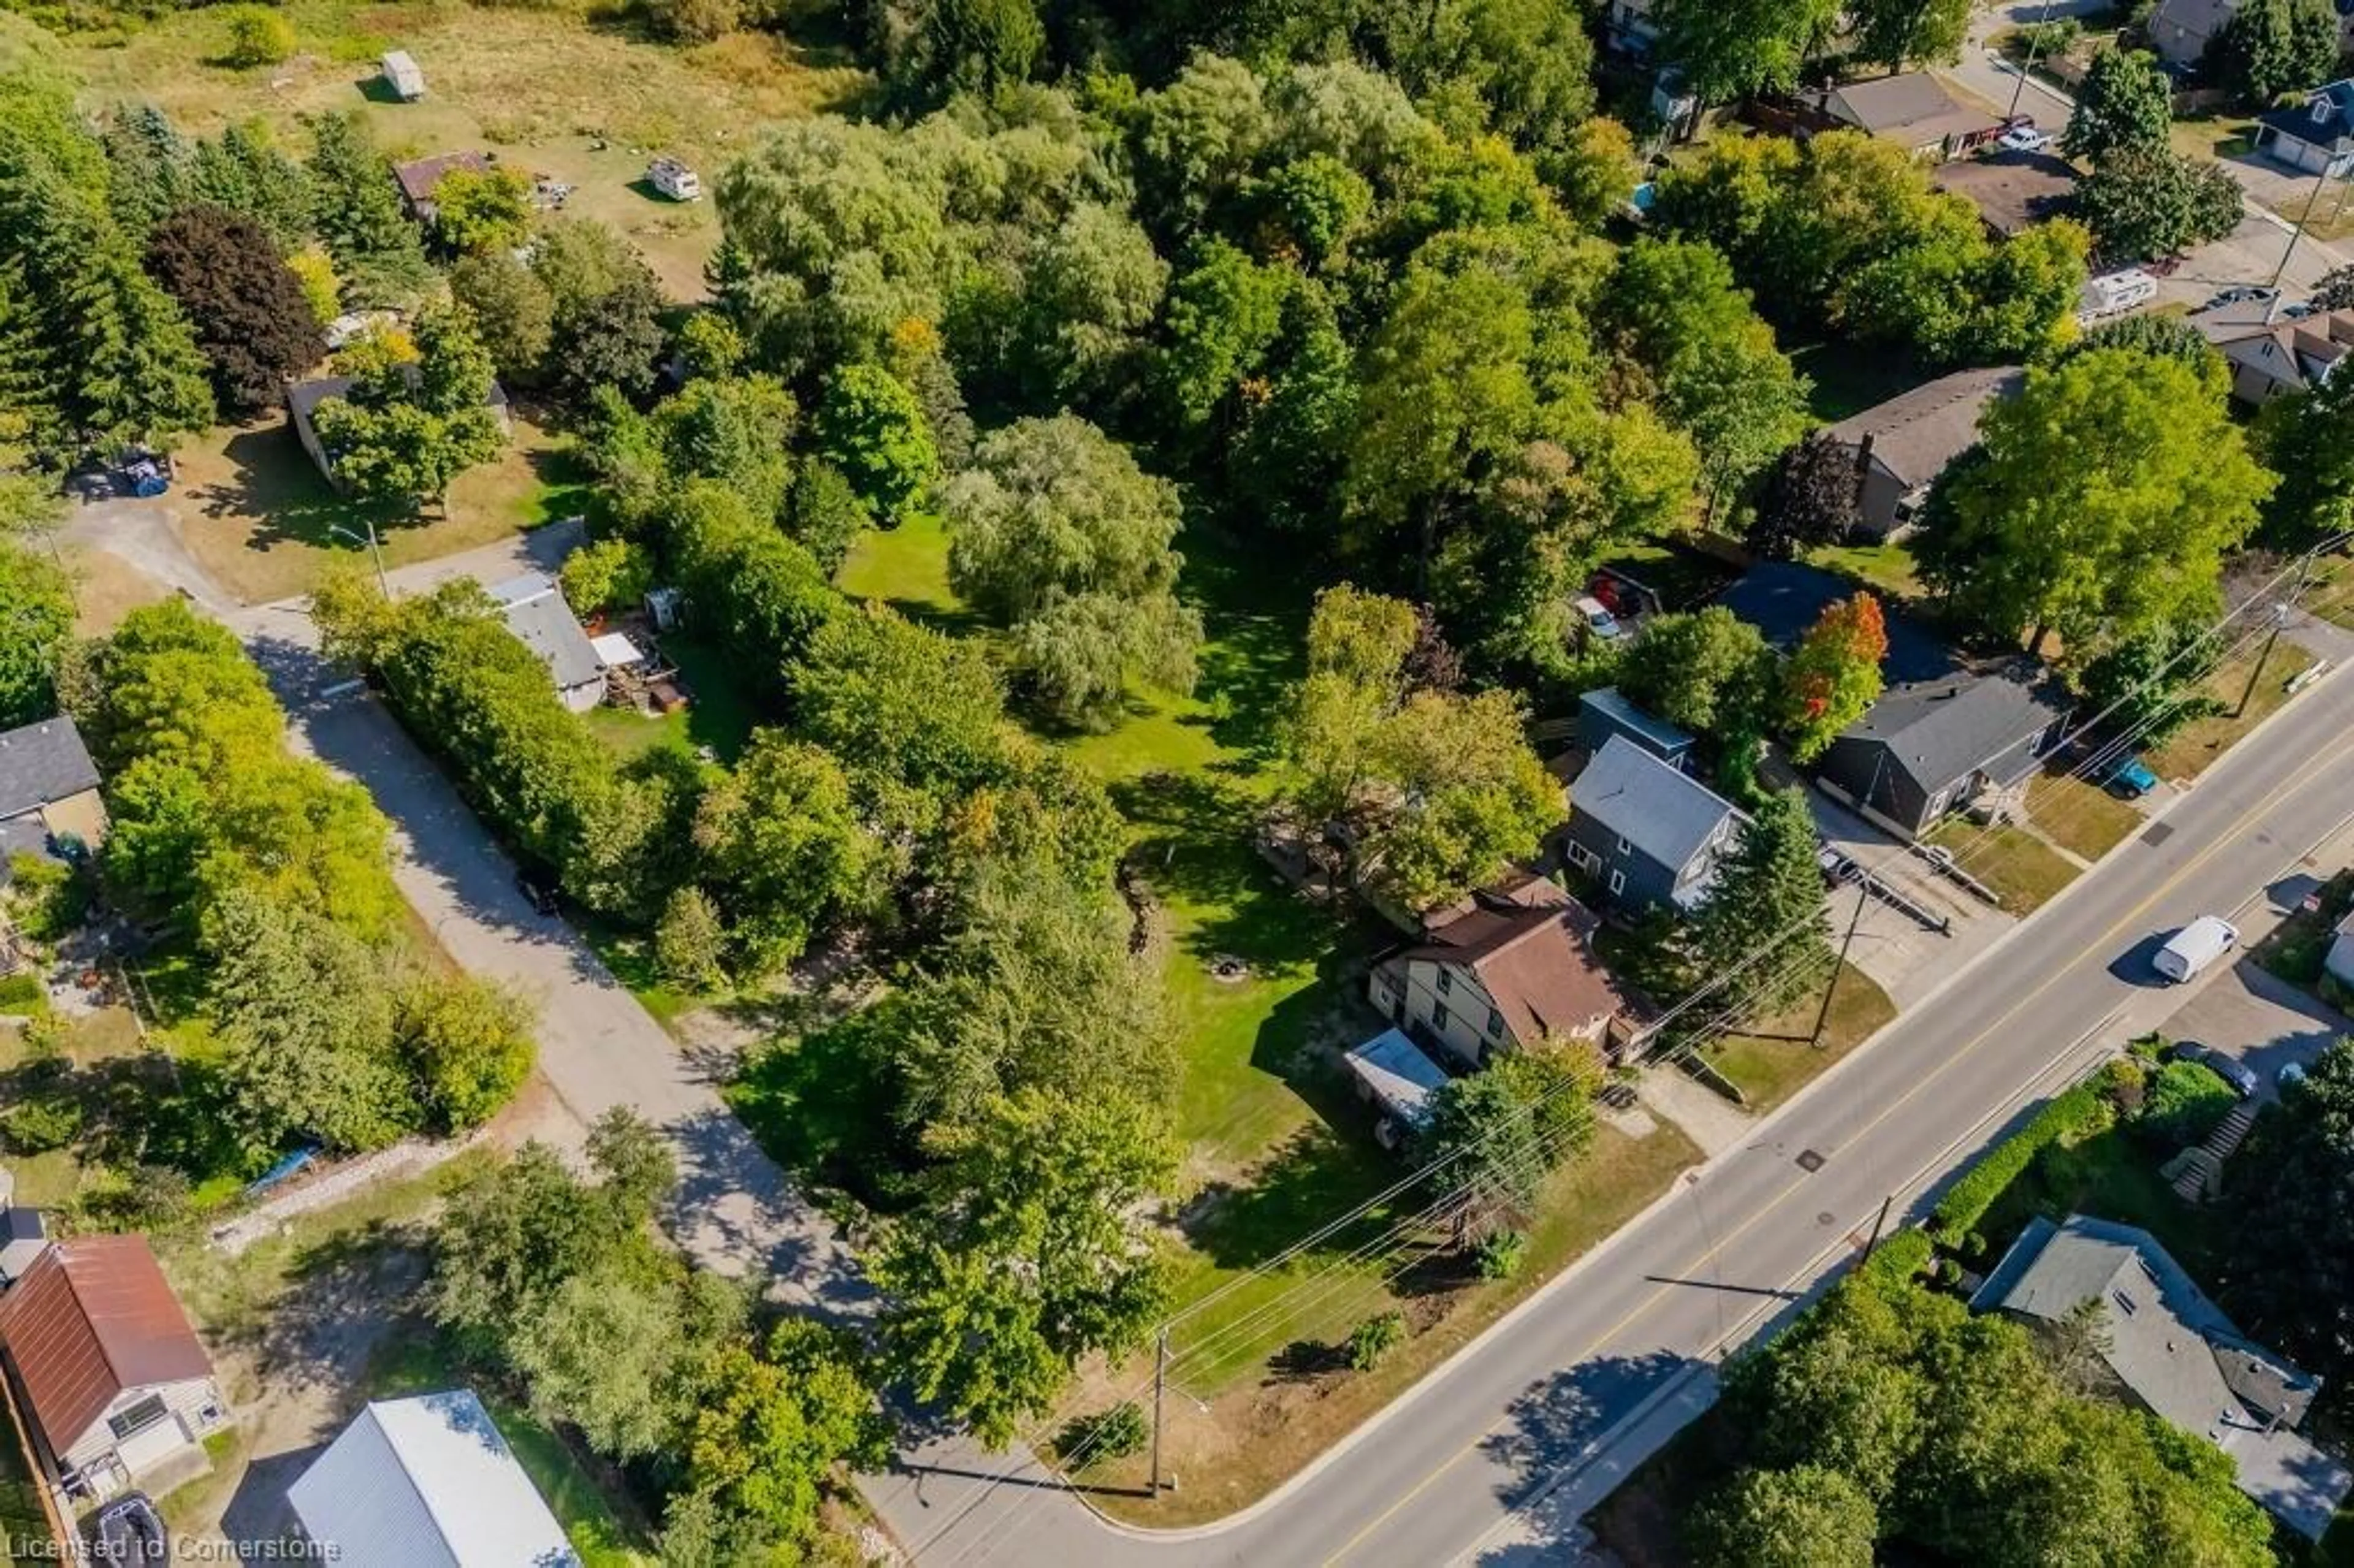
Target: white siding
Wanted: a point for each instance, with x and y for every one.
(187, 1402)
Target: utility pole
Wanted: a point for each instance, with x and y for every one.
(383, 583)
(1160, 1386)
(1862, 897)
(2033, 38)
(1873, 1245)
(2280, 619)
(2312, 198)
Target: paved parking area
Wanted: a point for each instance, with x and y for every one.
(2251, 1013)
(1906, 959)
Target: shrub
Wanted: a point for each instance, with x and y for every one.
(2048, 38)
(37, 1126)
(2124, 1082)
(1371, 1341)
(1105, 1435)
(609, 574)
(1500, 1255)
(2075, 1114)
(688, 941)
(23, 994)
(2186, 1100)
(258, 35)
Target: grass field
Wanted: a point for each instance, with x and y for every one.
(2199, 742)
(1847, 378)
(259, 518)
(1888, 569)
(542, 87)
(2024, 871)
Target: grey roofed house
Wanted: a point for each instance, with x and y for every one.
(2178, 1353)
(538, 615)
(1653, 834)
(2270, 358)
(1942, 734)
(41, 764)
(2338, 963)
(1912, 110)
(2011, 190)
(1902, 445)
(2180, 30)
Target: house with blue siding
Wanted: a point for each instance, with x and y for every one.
(1650, 835)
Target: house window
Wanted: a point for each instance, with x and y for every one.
(1624, 846)
(1495, 1021)
(1439, 1018)
(1446, 981)
(1583, 859)
(1618, 882)
(139, 1417)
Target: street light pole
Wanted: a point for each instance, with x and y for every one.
(383, 583)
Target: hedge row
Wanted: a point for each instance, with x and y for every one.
(2081, 1110)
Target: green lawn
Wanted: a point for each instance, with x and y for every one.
(420, 1361)
(906, 567)
(2080, 816)
(21, 1516)
(2024, 871)
(2199, 742)
(719, 715)
(1775, 1057)
(1887, 569)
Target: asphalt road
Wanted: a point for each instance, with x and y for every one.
(1559, 1391)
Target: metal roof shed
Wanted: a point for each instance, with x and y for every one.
(1398, 1077)
(426, 1482)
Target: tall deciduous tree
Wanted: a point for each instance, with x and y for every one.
(1901, 32)
(405, 432)
(482, 209)
(1809, 498)
(1706, 671)
(2288, 1272)
(511, 310)
(2110, 488)
(1058, 534)
(2270, 48)
(1805, 1517)
(871, 429)
(1500, 1131)
(1731, 47)
(1030, 1254)
(2144, 202)
(2123, 102)
(606, 306)
(779, 842)
(2309, 440)
(1769, 895)
(252, 321)
(37, 622)
(1833, 675)
(469, 1046)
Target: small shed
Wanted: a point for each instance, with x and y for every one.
(401, 74)
(1394, 1075)
(674, 179)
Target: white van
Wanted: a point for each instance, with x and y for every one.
(2196, 945)
(2115, 293)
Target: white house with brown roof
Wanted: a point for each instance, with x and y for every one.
(101, 1360)
(1510, 966)
(2271, 359)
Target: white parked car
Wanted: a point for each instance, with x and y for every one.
(2023, 139)
(1598, 618)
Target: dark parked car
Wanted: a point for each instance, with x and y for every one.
(2231, 1069)
(128, 1530)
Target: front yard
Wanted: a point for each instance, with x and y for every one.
(2024, 871)
(262, 521)
(2198, 744)
(1775, 1055)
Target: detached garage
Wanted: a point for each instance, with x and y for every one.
(426, 1482)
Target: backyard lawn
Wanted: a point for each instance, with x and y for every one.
(587, 104)
(261, 520)
(2024, 871)
(1847, 378)
(1887, 569)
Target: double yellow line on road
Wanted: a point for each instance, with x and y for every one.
(2334, 754)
